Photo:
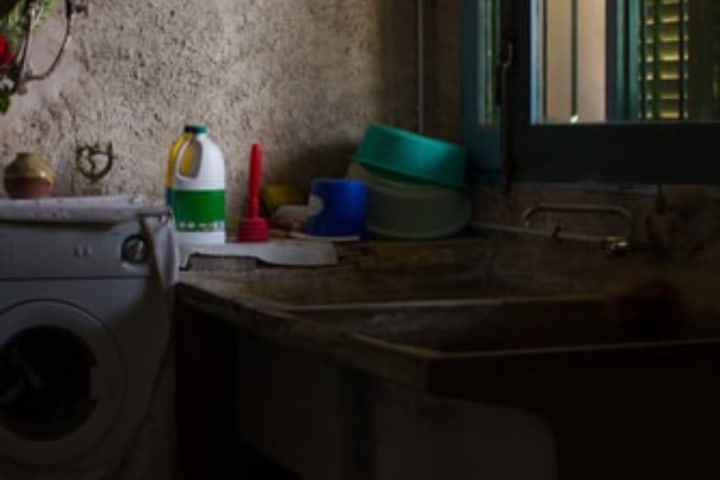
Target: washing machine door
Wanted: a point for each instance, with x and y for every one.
(61, 383)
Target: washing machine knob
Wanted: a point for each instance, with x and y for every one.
(135, 250)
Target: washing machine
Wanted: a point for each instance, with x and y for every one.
(84, 333)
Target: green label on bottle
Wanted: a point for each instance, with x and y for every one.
(199, 211)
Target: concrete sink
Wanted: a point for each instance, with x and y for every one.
(627, 388)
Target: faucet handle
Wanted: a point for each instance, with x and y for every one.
(615, 246)
(619, 246)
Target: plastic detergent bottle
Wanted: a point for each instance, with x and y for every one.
(172, 156)
(198, 193)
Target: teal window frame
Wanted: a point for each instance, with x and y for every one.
(517, 148)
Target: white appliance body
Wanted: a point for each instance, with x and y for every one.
(84, 332)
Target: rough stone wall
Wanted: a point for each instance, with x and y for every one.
(304, 77)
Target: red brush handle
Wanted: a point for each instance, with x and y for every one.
(254, 182)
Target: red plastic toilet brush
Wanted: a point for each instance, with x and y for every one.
(253, 228)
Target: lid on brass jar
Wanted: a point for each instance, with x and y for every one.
(29, 165)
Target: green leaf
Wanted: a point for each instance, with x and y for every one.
(13, 25)
(4, 100)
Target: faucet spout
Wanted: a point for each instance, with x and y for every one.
(580, 208)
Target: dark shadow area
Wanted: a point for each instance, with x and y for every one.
(209, 445)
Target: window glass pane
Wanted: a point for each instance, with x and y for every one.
(602, 61)
(490, 113)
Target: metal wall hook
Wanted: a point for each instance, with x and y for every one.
(94, 162)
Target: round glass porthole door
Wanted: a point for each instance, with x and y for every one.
(45, 379)
(61, 383)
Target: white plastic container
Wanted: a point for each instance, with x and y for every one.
(199, 192)
(412, 211)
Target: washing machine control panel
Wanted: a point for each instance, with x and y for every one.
(50, 251)
(83, 248)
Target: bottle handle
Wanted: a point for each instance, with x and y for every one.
(179, 160)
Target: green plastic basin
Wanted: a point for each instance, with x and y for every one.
(412, 156)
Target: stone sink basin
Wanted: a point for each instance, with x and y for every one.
(290, 288)
(622, 373)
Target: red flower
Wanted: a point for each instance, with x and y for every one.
(6, 56)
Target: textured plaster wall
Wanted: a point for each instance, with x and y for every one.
(304, 77)
(443, 76)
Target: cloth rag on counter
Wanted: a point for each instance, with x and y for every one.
(279, 252)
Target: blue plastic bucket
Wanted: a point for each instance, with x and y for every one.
(337, 208)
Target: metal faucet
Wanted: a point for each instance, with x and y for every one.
(580, 208)
(613, 245)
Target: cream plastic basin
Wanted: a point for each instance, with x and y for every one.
(413, 211)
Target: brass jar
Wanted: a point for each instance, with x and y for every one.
(29, 176)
